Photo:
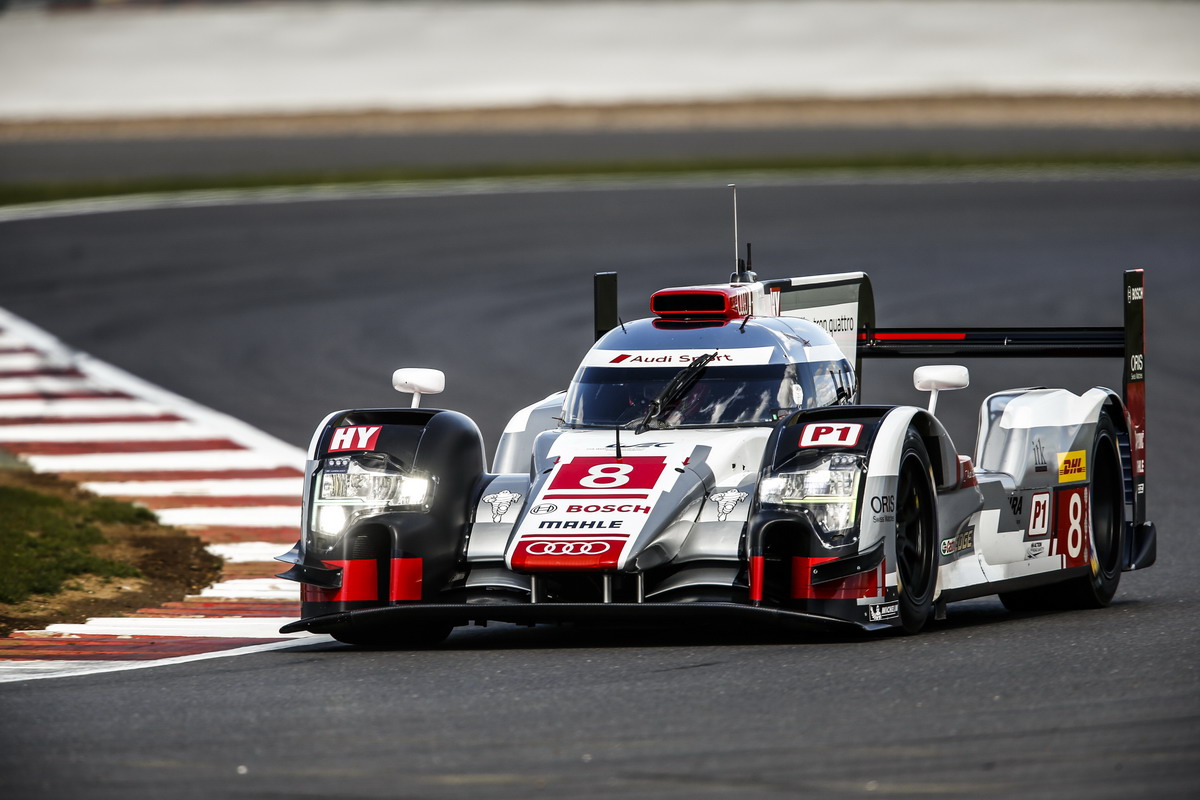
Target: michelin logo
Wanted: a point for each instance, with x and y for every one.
(726, 501)
(501, 502)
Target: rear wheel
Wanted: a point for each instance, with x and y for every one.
(1106, 536)
(916, 532)
(408, 637)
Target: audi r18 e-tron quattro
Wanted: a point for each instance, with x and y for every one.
(712, 463)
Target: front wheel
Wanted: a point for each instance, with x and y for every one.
(916, 534)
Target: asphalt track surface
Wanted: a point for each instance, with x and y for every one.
(280, 313)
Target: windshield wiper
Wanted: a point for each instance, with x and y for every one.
(674, 391)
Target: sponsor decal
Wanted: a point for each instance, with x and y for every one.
(883, 508)
(677, 358)
(1137, 363)
(604, 475)
(1072, 466)
(1017, 504)
(1039, 514)
(564, 524)
(1134, 293)
(726, 501)
(337, 465)
(567, 548)
(501, 502)
(834, 434)
(543, 508)
(608, 508)
(354, 437)
(1035, 550)
(1071, 525)
(957, 544)
(878, 613)
(1039, 456)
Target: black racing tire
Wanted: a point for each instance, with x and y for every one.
(1106, 535)
(916, 535)
(410, 637)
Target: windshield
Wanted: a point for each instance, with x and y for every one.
(726, 395)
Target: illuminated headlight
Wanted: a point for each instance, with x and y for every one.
(374, 488)
(351, 488)
(828, 493)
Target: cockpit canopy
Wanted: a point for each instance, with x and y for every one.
(762, 371)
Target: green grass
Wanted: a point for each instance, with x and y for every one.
(20, 193)
(45, 540)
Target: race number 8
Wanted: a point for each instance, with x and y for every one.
(607, 476)
(1075, 528)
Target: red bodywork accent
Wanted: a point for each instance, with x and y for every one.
(922, 336)
(757, 564)
(405, 584)
(360, 582)
(714, 302)
(966, 473)
(1135, 404)
(867, 584)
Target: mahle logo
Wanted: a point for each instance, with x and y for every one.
(1072, 466)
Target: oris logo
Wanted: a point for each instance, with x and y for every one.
(543, 508)
(884, 504)
(566, 548)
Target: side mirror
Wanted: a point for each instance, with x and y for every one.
(940, 377)
(418, 382)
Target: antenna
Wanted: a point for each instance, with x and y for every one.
(736, 253)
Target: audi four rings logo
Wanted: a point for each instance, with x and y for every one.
(544, 508)
(566, 548)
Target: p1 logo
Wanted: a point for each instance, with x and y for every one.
(832, 434)
(354, 437)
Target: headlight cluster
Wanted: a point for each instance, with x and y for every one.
(350, 488)
(827, 492)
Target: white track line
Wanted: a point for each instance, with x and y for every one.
(44, 383)
(32, 670)
(240, 516)
(196, 460)
(22, 361)
(245, 552)
(79, 407)
(395, 190)
(106, 432)
(211, 627)
(254, 589)
(256, 487)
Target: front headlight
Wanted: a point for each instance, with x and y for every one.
(351, 488)
(827, 493)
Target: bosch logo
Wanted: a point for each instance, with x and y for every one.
(566, 548)
(883, 504)
(544, 508)
(1134, 293)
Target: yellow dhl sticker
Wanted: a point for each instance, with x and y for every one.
(1072, 466)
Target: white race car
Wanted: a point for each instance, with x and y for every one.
(712, 464)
